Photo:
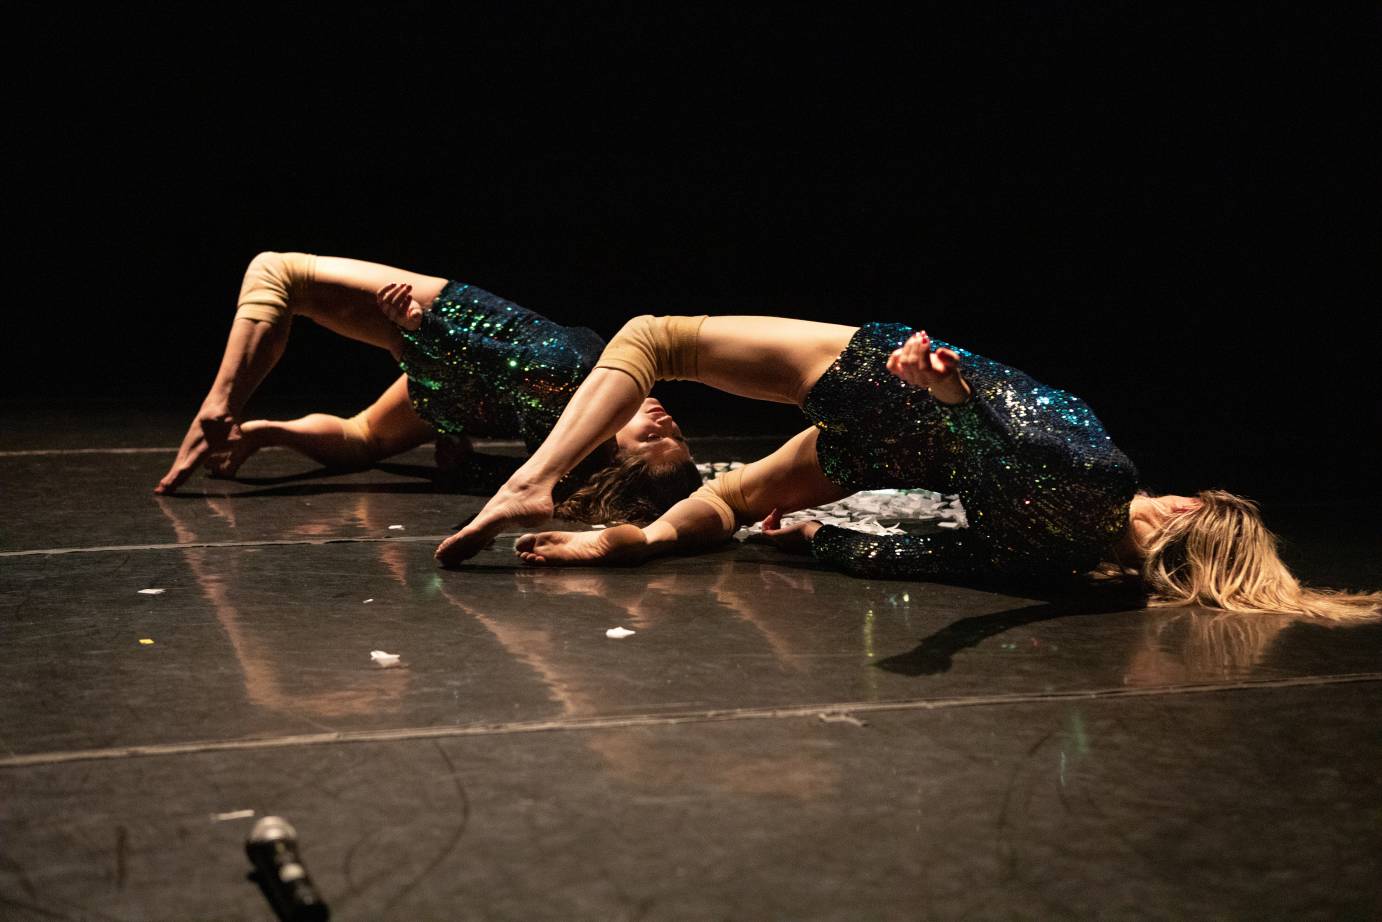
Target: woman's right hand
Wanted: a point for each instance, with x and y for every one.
(396, 301)
(794, 539)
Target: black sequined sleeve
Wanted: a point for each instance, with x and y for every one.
(975, 421)
(959, 553)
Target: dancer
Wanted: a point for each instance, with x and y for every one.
(1045, 490)
(474, 364)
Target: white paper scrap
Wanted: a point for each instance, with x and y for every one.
(384, 659)
(841, 718)
(619, 633)
(152, 591)
(395, 528)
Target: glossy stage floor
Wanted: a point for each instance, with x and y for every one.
(775, 741)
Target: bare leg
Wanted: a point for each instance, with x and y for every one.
(389, 426)
(342, 299)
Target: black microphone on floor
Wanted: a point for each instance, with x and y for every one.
(273, 850)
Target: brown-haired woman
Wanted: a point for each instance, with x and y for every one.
(1046, 492)
(474, 365)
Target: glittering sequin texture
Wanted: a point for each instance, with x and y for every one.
(1044, 488)
(480, 365)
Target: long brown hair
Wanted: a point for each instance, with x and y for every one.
(1221, 555)
(630, 490)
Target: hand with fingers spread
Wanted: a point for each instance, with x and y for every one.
(795, 539)
(397, 303)
(938, 371)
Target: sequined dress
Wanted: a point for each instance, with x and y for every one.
(480, 365)
(1044, 488)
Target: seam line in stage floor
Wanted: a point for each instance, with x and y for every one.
(110, 548)
(35, 452)
(31, 452)
(478, 443)
(657, 720)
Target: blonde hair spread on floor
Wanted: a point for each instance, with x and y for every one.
(1221, 555)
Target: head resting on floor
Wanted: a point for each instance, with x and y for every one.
(636, 477)
(1215, 551)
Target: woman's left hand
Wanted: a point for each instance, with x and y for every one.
(622, 544)
(795, 539)
(397, 303)
(938, 371)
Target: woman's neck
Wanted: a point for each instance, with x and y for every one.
(1128, 552)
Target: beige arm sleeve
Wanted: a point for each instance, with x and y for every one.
(274, 283)
(652, 349)
(726, 494)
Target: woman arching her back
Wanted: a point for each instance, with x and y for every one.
(474, 364)
(1046, 492)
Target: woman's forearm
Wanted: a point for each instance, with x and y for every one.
(252, 350)
(689, 526)
(604, 402)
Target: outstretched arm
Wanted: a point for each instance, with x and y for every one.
(254, 347)
(789, 478)
(690, 526)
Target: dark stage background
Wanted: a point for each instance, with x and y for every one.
(1169, 211)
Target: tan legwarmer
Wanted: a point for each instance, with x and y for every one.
(726, 494)
(652, 349)
(275, 283)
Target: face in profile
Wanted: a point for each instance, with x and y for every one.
(653, 435)
(1148, 518)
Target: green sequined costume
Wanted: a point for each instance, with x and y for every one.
(483, 366)
(1044, 488)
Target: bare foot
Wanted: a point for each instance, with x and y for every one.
(524, 506)
(620, 544)
(208, 432)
